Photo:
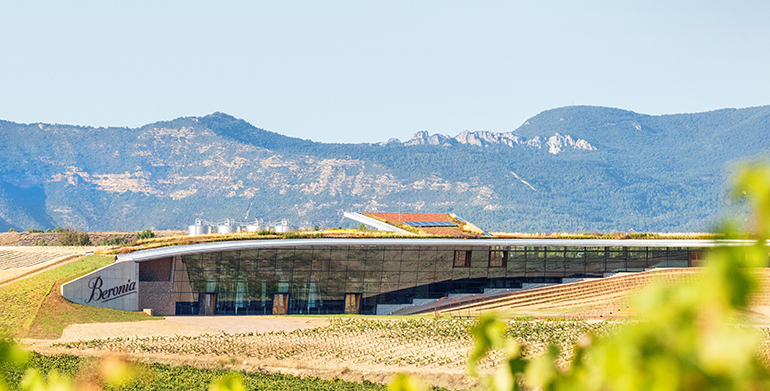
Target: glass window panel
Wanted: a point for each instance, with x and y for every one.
(497, 258)
(284, 259)
(373, 260)
(425, 277)
(478, 272)
(516, 260)
(444, 260)
(264, 275)
(321, 252)
(336, 282)
(554, 262)
(637, 259)
(462, 258)
(340, 255)
(303, 258)
(283, 275)
(319, 275)
(300, 275)
(443, 276)
(407, 280)
(427, 265)
(355, 263)
(616, 259)
(354, 286)
(496, 272)
(678, 257)
(249, 260)
(391, 255)
(480, 258)
(409, 260)
(355, 276)
(658, 258)
(594, 262)
(388, 287)
(230, 260)
(535, 266)
(266, 259)
(460, 273)
(390, 278)
(392, 266)
(336, 265)
(320, 265)
(409, 265)
(372, 286)
(575, 260)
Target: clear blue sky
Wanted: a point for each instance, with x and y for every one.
(363, 71)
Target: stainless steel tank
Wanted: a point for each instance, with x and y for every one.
(198, 228)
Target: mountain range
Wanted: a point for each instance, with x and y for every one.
(575, 168)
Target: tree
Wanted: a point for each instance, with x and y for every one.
(71, 237)
(146, 234)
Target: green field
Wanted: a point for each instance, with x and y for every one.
(165, 377)
(33, 308)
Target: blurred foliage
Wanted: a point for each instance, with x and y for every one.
(686, 336)
(66, 372)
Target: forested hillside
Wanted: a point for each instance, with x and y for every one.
(574, 168)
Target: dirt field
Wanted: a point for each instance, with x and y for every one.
(349, 349)
(28, 239)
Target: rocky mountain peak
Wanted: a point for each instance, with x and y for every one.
(555, 144)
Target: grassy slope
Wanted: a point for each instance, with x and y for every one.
(26, 302)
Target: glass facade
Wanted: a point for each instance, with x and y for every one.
(335, 279)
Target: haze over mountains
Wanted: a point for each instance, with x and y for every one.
(576, 168)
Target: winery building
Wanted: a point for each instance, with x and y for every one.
(366, 276)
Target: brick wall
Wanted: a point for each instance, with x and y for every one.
(158, 296)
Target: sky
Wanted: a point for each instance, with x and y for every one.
(356, 71)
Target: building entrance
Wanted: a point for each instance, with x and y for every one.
(280, 303)
(207, 303)
(352, 303)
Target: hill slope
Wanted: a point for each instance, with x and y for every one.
(576, 168)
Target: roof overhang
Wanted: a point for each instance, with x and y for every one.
(163, 252)
(381, 226)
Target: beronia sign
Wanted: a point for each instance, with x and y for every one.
(98, 294)
(114, 286)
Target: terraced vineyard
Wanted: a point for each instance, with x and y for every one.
(22, 257)
(587, 299)
(416, 343)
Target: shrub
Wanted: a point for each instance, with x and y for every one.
(11, 230)
(146, 234)
(117, 241)
(39, 242)
(72, 237)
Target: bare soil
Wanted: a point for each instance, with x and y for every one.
(325, 357)
(28, 239)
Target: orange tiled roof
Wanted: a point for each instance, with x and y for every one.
(407, 217)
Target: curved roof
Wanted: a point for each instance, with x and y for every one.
(146, 255)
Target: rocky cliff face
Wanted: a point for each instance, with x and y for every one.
(555, 143)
